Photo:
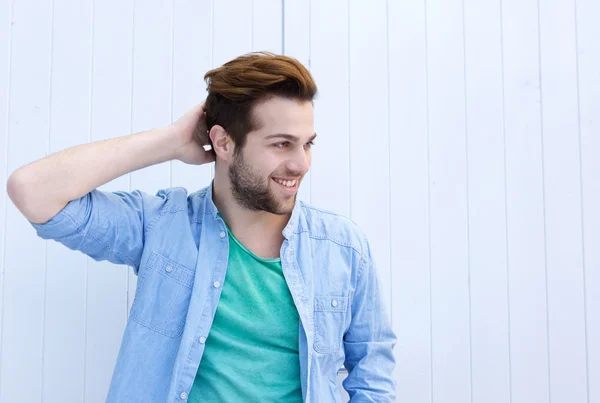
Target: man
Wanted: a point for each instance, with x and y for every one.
(244, 293)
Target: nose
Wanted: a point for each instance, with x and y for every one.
(299, 163)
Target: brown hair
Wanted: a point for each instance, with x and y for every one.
(238, 85)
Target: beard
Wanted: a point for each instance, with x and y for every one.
(251, 191)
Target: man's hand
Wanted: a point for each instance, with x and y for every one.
(193, 135)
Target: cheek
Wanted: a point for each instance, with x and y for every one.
(269, 168)
(271, 164)
(262, 163)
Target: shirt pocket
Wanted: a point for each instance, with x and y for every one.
(163, 296)
(330, 317)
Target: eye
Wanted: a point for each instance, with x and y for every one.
(284, 144)
(310, 144)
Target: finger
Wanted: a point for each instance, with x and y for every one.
(197, 110)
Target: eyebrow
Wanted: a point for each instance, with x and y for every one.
(288, 137)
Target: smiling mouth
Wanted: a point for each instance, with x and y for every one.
(289, 185)
(286, 183)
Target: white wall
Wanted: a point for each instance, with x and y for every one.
(462, 135)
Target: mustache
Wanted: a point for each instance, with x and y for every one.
(288, 174)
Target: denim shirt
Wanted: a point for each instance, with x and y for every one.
(177, 245)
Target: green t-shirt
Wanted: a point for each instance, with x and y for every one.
(251, 352)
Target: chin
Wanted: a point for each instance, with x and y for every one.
(286, 207)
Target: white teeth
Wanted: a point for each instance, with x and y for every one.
(286, 183)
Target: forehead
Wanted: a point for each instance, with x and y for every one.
(284, 116)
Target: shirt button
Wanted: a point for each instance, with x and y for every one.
(334, 303)
(183, 396)
(216, 284)
(202, 339)
(169, 268)
(222, 234)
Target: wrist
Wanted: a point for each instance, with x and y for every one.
(173, 140)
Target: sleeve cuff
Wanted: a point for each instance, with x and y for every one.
(62, 223)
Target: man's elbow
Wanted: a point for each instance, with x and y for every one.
(21, 193)
(16, 188)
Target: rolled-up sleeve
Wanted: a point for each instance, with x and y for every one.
(369, 341)
(106, 225)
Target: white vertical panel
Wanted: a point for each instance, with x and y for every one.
(192, 53)
(525, 203)
(296, 44)
(562, 190)
(296, 36)
(369, 134)
(106, 285)
(5, 32)
(410, 270)
(65, 294)
(152, 74)
(448, 209)
(588, 57)
(232, 30)
(25, 253)
(487, 202)
(330, 178)
(267, 21)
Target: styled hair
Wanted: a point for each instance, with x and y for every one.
(242, 83)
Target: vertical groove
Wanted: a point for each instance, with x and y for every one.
(283, 27)
(544, 198)
(171, 78)
(90, 123)
(587, 365)
(505, 201)
(131, 120)
(390, 210)
(428, 143)
(45, 291)
(47, 153)
(466, 120)
(349, 118)
(3, 268)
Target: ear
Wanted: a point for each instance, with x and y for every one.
(222, 143)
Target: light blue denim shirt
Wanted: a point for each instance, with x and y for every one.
(178, 247)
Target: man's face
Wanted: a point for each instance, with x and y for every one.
(266, 173)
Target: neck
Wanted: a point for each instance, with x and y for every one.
(242, 221)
